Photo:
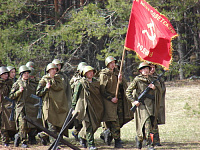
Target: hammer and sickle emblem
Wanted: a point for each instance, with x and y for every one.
(151, 35)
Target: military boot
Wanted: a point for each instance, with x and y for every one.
(107, 136)
(83, 142)
(118, 143)
(138, 143)
(17, 140)
(93, 148)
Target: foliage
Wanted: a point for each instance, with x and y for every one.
(30, 30)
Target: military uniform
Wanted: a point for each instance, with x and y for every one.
(24, 106)
(88, 102)
(8, 128)
(55, 102)
(145, 114)
(116, 114)
(161, 111)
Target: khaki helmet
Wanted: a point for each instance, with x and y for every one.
(3, 70)
(57, 61)
(30, 64)
(10, 68)
(109, 59)
(150, 63)
(80, 66)
(32, 73)
(24, 68)
(88, 68)
(143, 65)
(50, 66)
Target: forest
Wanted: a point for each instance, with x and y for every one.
(90, 30)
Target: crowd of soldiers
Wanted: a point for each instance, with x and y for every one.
(91, 93)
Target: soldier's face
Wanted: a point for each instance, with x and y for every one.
(111, 65)
(145, 71)
(52, 71)
(25, 76)
(4, 76)
(12, 73)
(89, 74)
(153, 69)
(59, 67)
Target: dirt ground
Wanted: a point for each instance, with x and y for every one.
(168, 142)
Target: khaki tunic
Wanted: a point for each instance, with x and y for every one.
(161, 111)
(89, 105)
(55, 102)
(67, 88)
(23, 100)
(108, 84)
(6, 124)
(140, 83)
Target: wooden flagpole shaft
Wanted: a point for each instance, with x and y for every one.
(120, 72)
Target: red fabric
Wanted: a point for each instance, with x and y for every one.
(149, 34)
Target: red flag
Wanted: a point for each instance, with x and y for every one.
(149, 34)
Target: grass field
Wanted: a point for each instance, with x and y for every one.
(182, 128)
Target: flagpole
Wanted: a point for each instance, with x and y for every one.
(117, 89)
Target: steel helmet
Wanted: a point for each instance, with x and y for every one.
(143, 65)
(87, 68)
(80, 66)
(30, 64)
(32, 73)
(50, 66)
(24, 68)
(57, 61)
(109, 59)
(10, 68)
(3, 70)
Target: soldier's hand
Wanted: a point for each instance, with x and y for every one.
(48, 85)
(21, 89)
(136, 103)
(152, 86)
(114, 100)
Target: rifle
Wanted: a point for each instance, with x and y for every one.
(11, 107)
(39, 116)
(144, 93)
(50, 132)
(66, 124)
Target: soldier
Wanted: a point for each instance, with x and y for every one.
(8, 128)
(12, 73)
(65, 80)
(161, 111)
(55, 104)
(73, 82)
(30, 64)
(88, 102)
(117, 109)
(21, 92)
(145, 114)
(78, 75)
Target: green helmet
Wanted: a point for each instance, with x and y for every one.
(24, 68)
(10, 68)
(57, 61)
(109, 59)
(50, 66)
(143, 65)
(30, 64)
(80, 66)
(32, 73)
(3, 70)
(87, 68)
